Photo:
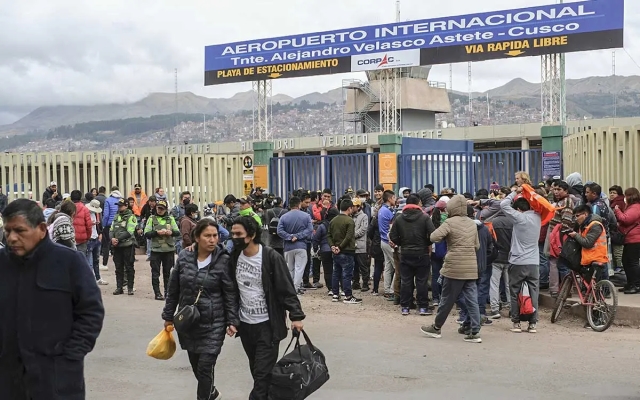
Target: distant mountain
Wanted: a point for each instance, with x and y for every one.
(590, 97)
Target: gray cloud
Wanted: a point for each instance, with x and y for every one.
(70, 52)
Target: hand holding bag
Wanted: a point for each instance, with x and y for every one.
(189, 315)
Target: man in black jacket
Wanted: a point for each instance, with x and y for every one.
(51, 192)
(50, 307)
(266, 292)
(411, 231)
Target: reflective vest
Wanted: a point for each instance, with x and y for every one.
(121, 225)
(163, 244)
(598, 253)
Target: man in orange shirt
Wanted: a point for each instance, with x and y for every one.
(139, 199)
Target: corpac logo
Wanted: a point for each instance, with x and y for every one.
(380, 61)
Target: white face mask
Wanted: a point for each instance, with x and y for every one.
(363, 200)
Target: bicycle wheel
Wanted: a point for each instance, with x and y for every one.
(565, 289)
(600, 314)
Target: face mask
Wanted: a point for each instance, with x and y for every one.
(363, 200)
(239, 243)
(186, 201)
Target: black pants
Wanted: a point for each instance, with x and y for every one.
(307, 268)
(414, 267)
(203, 366)
(630, 256)
(167, 261)
(262, 354)
(378, 268)
(106, 244)
(327, 267)
(362, 268)
(122, 257)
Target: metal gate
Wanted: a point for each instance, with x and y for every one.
(337, 172)
(467, 171)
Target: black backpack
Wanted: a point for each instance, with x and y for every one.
(571, 253)
(273, 224)
(299, 373)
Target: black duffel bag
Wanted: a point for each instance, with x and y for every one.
(300, 373)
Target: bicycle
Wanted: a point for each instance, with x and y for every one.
(593, 295)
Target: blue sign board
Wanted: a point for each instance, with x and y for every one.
(580, 26)
(551, 164)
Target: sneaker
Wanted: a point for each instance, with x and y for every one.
(102, 282)
(431, 331)
(104, 268)
(405, 311)
(118, 292)
(352, 300)
(335, 298)
(342, 293)
(473, 338)
(330, 293)
(425, 311)
(365, 289)
(485, 321)
(131, 292)
(309, 286)
(516, 328)
(215, 395)
(495, 315)
(464, 330)
(300, 292)
(374, 293)
(318, 285)
(460, 321)
(532, 328)
(436, 303)
(159, 297)
(396, 301)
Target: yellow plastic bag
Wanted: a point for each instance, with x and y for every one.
(163, 346)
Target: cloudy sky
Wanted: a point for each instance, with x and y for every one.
(83, 52)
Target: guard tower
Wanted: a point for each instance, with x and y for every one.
(404, 96)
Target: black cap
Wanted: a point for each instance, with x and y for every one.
(243, 200)
(361, 192)
(123, 202)
(162, 203)
(137, 186)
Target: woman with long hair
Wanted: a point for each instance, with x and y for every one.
(629, 225)
(202, 277)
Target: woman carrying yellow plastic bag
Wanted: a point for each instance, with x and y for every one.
(163, 346)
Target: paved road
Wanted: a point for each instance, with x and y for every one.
(374, 353)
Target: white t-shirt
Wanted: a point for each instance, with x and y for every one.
(205, 263)
(253, 304)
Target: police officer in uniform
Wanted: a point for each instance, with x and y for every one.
(162, 230)
(122, 236)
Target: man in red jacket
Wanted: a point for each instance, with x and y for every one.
(81, 222)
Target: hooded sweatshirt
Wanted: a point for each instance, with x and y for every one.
(110, 209)
(362, 225)
(461, 235)
(426, 197)
(576, 187)
(526, 231)
(412, 230)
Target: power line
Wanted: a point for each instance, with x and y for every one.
(634, 61)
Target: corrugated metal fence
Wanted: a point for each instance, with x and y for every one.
(336, 172)
(464, 171)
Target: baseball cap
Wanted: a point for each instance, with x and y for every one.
(243, 200)
(356, 201)
(137, 186)
(162, 203)
(122, 202)
(53, 183)
(361, 192)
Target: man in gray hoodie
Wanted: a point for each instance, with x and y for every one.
(524, 258)
(363, 265)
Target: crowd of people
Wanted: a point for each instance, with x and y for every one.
(246, 260)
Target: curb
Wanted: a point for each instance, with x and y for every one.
(625, 315)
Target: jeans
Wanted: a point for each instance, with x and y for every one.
(262, 352)
(93, 256)
(499, 271)
(296, 261)
(389, 267)
(483, 284)
(178, 246)
(544, 266)
(436, 266)
(557, 271)
(517, 275)
(362, 268)
(342, 270)
(414, 267)
(106, 244)
(451, 290)
(82, 248)
(203, 366)
(327, 267)
(378, 267)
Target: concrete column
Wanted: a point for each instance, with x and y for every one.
(262, 153)
(526, 159)
(371, 176)
(391, 144)
(323, 168)
(281, 154)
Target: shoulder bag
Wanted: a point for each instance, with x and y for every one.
(189, 315)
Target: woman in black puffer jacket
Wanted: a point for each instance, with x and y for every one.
(207, 266)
